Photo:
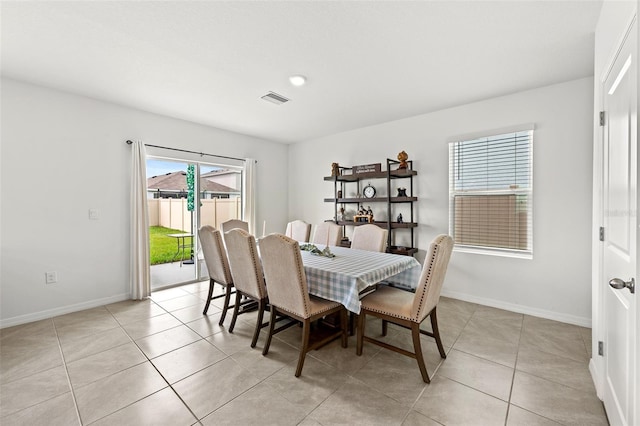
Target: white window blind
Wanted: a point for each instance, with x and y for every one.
(491, 193)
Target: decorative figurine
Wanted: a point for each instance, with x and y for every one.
(402, 157)
(369, 211)
(402, 192)
(335, 169)
(399, 219)
(339, 193)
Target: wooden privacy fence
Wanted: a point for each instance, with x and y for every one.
(172, 212)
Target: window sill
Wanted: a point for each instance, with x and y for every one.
(494, 252)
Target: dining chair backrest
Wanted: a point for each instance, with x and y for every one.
(435, 267)
(215, 255)
(369, 237)
(298, 230)
(244, 262)
(233, 224)
(284, 271)
(327, 233)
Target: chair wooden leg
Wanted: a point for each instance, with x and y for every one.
(385, 326)
(272, 323)
(306, 331)
(206, 305)
(344, 319)
(360, 332)
(225, 307)
(352, 323)
(236, 308)
(256, 332)
(417, 348)
(436, 333)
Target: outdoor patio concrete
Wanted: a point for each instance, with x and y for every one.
(169, 274)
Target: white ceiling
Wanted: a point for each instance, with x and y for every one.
(367, 62)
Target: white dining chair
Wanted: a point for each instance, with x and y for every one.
(407, 309)
(369, 237)
(327, 233)
(298, 230)
(215, 257)
(248, 278)
(233, 224)
(289, 295)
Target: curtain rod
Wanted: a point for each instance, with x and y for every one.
(129, 142)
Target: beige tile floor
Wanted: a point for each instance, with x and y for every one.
(161, 362)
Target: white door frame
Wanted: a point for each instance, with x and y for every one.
(596, 365)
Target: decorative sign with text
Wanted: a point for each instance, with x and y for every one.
(367, 168)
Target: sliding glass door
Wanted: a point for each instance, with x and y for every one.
(182, 197)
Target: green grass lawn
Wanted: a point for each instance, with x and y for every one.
(163, 248)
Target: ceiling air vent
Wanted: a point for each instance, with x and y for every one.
(275, 98)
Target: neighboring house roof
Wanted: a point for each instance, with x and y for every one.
(177, 181)
(219, 172)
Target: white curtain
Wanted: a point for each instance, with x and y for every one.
(140, 275)
(249, 202)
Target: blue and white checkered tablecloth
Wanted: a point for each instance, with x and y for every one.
(343, 277)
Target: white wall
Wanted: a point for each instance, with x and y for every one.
(556, 283)
(68, 154)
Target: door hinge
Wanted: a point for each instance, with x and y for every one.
(602, 233)
(601, 348)
(602, 118)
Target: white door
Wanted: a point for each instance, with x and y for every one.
(620, 223)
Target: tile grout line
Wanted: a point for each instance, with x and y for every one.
(435, 370)
(515, 367)
(132, 340)
(66, 371)
(198, 420)
(163, 378)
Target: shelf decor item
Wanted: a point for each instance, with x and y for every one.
(363, 218)
(369, 191)
(367, 168)
(335, 169)
(402, 157)
(313, 249)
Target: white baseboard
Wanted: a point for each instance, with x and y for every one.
(49, 313)
(593, 369)
(513, 307)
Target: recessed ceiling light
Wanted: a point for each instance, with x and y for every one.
(298, 80)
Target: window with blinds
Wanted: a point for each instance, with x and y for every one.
(491, 193)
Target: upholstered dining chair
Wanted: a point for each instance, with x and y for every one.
(327, 233)
(215, 257)
(289, 295)
(233, 224)
(408, 310)
(298, 230)
(369, 237)
(246, 271)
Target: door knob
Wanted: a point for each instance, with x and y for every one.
(618, 284)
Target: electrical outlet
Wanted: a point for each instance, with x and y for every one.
(51, 277)
(94, 214)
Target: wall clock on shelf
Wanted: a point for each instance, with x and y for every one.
(369, 191)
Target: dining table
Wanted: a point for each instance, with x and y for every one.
(344, 277)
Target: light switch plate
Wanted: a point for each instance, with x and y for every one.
(94, 214)
(51, 277)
